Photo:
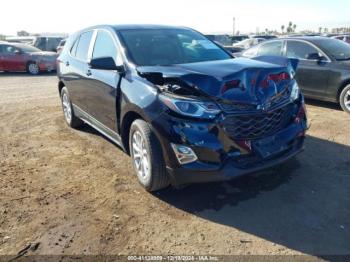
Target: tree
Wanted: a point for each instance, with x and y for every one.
(294, 27)
(320, 29)
(282, 28)
(22, 33)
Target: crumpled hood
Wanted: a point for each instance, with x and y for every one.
(234, 80)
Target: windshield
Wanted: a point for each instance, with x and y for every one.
(28, 48)
(336, 48)
(150, 47)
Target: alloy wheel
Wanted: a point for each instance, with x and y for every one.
(347, 100)
(66, 108)
(33, 69)
(140, 155)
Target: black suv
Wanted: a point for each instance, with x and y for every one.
(183, 107)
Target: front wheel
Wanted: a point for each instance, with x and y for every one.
(147, 157)
(344, 99)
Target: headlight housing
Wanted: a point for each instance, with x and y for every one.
(191, 107)
(294, 94)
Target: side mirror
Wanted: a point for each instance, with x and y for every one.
(313, 56)
(105, 63)
(18, 52)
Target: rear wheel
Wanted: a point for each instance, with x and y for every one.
(146, 153)
(68, 111)
(33, 68)
(344, 99)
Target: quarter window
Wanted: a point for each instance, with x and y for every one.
(83, 46)
(270, 48)
(104, 46)
(300, 50)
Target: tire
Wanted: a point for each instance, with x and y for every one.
(33, 68)
(155, 176)
(344, 99)
(68, 111)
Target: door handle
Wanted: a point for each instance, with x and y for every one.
(88, 73)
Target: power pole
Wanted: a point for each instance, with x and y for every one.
(234, 26)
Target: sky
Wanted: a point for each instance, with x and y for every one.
(207, 16)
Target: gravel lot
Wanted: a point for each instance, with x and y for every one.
(74, 192)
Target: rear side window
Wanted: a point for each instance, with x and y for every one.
(73, 50)
(83, 46)
(270, 48)
(300, 50)
(104, 46)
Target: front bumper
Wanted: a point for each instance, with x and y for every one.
(221, 157)
(237, 166)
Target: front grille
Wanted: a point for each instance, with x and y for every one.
(253, 126)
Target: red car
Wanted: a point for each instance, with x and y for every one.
(17, 57)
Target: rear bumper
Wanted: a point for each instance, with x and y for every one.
(47, 66)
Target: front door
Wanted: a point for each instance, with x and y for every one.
(312, 75)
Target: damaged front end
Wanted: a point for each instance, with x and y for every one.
(227, 118)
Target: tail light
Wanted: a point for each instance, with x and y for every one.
(276, 78)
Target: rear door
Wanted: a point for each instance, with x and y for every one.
(75, 68)
(312, 76)
(102, 84)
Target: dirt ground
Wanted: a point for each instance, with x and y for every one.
(74, 192)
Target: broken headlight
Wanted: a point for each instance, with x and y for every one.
(191, 107)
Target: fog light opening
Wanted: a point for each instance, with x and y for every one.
(184, 154)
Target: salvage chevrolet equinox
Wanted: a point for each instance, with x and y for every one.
(183, 108)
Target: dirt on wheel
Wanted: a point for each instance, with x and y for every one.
(75, 192)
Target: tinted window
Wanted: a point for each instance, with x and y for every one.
(73, 50)
(41, 43)
(337, 49)
(300, 50)
(270, 48)
(169, 46)
(83, 46)
(104, 46)
(8, 49)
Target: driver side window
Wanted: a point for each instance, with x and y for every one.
(104, 46)
(300, 50)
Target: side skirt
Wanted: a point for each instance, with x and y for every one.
(91, 121)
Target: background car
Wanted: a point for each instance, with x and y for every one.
(324, 65)
(224, 40)
(238, 38)
(247, 43)
(17, 57)
(60, 46)
(47, 43)
(345, 38)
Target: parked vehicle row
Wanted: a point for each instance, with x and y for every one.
(324, 65)
(182, 106)
(44, 43)
(16, 57)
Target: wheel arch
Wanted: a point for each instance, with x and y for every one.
(344, 84)
(126, 122)
(60, 86)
